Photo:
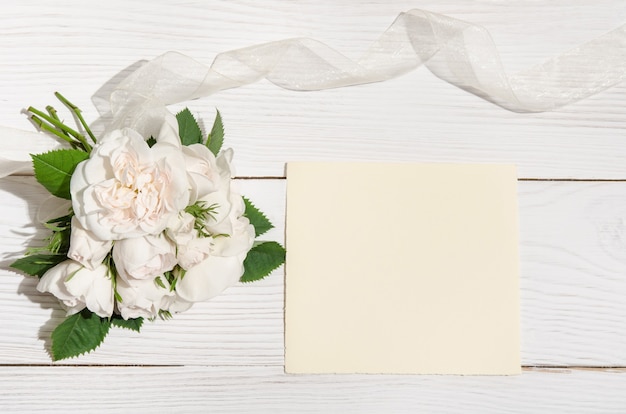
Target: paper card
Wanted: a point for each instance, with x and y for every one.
(402, 268)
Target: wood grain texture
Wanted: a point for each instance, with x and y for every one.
(269, 390)
(76, 47)
(573, 284)
(573, 242)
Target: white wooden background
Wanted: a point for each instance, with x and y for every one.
(226, 355)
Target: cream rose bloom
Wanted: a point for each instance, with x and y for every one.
(224, 263)
(142, 298)
(207, 174)
(144, 258)
(191, 249)
(78, 287)
(215, 263)
(203, 171)
(85, 248)
(127, 189)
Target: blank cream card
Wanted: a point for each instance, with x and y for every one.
(402, 268)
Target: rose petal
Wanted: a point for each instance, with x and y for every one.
(210, 278)
(95, 288)
(85, 247)
(144, 257)
(141, 298)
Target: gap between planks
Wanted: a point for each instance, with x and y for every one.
(554, 369)
(277, 177)
(584, 180)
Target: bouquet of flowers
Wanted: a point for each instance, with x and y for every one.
(151, 225)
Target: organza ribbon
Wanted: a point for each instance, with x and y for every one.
(458, 52)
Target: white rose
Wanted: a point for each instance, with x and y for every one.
(224, 265)
(204, 176)
(210, 277)
(194, 252)
(220, 204)
(78, 287)
(231, 222)
(127, 189)
(142, 298)
(240, 241)
(180, 228)
(233, 238)
(207, 174)
(224, 165)
(144, 257)
(175, 303)
(190, 248)
(85, 248)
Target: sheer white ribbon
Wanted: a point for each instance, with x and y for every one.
(458, 52)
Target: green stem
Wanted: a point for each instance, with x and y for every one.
(78, 114)
(60, 125)
(53, 113)
(55, 131)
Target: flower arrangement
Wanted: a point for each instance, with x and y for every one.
(152, 224)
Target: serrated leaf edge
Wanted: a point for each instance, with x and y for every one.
(108, 328)
(272, 269)
(216, 130)
(126, 327)
(257, 233)
(45, 163)
(195, 123)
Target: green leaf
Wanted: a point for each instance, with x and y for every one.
(132, 324)
(77, 334)
(54, 169)
(60, 223)
(261, 260)
(159, 282)
(38, 264)
(257, 218)
(59, 240)
(188, 128)
(151, 141)
(216, 136)
(165, 315)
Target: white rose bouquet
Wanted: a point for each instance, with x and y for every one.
(152, 225)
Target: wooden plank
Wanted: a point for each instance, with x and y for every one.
(573, 287)
(414, 118)
(268, 389)
(572, 242)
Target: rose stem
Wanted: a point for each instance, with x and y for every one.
(55, 131)
(78, 114)
(64, 127)
(53, 114)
